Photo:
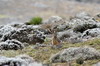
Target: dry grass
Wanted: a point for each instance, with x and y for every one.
(43, 54)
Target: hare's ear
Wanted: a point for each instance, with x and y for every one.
(50, 30)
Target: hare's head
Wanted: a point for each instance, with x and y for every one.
(53, 31)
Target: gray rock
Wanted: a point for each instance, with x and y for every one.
(64, 34)
(25, 33)
(11, 45)
(87, 53)
(83, 15)
(82, 22)
(79, 25)
(62, 27)
(5, 30)
(21, 60)
(75, 39)
(91, 32)
(70, 36)
(54, 19)
(55, 22)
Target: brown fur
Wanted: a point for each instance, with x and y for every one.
(55, 40)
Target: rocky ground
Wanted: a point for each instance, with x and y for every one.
(79, 37)
(31, 45)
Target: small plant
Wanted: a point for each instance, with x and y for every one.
(80, 61)
(35, 21)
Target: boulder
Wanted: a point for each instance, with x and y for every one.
(11, 45)
(62, 27)
(54, 19)
(79, 25)
(91, 32)
(73, 53)
(70, 36)
(23, 33)
(82, 22)
(75, 39)
(83, 15)
(66, 34)
(5, 30)
(21, 60)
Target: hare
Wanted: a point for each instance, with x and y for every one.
(55, 40)
(52, 29)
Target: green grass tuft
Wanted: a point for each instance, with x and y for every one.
(35, 21)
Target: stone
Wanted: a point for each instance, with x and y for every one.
(21, 60)
(82, 22)
(11, 45)
(79, 25)
(54, 19)
(83, 15)
(55, 22)
(70, 36)
(91, 32)
(66, 34)
(73, 53)
(75, 39)
(25, 33)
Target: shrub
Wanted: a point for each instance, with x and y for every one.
(35, 21)
(80, 61)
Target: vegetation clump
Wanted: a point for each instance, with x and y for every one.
(35, 21)
(80, 61)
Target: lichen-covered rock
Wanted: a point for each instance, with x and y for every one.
(83, 15)
(79, 25)
(62, 27)
(54, 19)
(22, 60)
(70, 36)
(64, 34)
(82, 22)
(11, 45)
(75, 39)
(6, 29)
(22, 33)
(91, 32)
(87, 53)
